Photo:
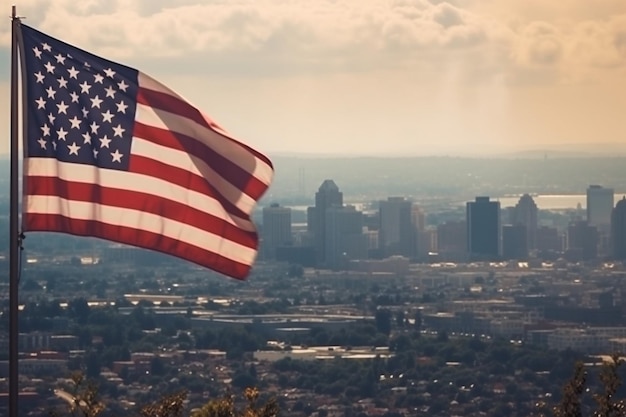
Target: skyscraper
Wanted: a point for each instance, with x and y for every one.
(452, 240)
(328, 195)
(344, 236)
(276, 230)
(582, 241)
(618, 230)
(600, 202)
(525, 213)
(483, 229)
(397, 233)
(514, 244)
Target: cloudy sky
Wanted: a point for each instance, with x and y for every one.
(376, 77)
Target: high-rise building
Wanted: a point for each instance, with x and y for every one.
(452, 241)
(600, 202)
(483, 229)
(397, 233)
(525, 213)
(618, 230)
(549, 240)
(514, 244)
(328, 195)
(582, 241)
(344, 236)
(276, 231)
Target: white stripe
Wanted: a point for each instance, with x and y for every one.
(110, 178)
(228, 148)
(196, 166)
(147, 82)
(135, 219)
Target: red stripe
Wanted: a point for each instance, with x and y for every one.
(178, 106)
(150, 167)
(227, 169)
(141, 202)
(134, 237)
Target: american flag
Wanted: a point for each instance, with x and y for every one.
(113, 153)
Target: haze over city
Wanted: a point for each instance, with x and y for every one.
(463, 77)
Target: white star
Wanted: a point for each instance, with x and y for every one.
(84, 87)
(95, 102)
(49, 67)
(95, 153)
(110, 92)
(75, 121)
(60, 59)
(61, 134)
(121, 107)
(73, 72)
(98, 78)
(73, 148)
(62, 107)
(107, 116)
(87, 138)
(104, 142)
(54, 146)
(40, 77)
(46, 47)
(41, 103)
(62, 82)
(74, 97)
(50, 92)
(118, 131)
(87, 65)
(109, 72)
(122, 85)
(42, 143)
(94, 127)
(37, 52)
(45, 130)
(85, 112)
(51, 118)
(117, 156)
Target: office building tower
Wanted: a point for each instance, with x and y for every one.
(514, 243)
(327, 196)
(483, 229)
(582, 241)
(618, 230)
(397, 233)
(452, 241)
(549, 240)
(600, 202)
(525, 213)
(276, 231)
(418, 217)
(344, 236)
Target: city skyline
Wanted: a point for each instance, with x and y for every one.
(428, 78)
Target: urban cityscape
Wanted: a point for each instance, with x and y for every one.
(359, 304)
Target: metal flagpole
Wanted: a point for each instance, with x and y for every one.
(14, 238)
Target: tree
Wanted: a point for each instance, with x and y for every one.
(574, 388)
(84, 401)
(607, 403)
(225, 407)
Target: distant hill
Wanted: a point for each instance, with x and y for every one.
(442, 177)
(299, 176)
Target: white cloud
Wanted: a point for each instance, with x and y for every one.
(265, 36)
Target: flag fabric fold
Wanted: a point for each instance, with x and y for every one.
(115, 154)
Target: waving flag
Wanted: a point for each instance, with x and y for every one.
(112, 153)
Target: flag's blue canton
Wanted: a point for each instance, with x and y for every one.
(81, 108)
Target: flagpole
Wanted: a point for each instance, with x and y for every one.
(14, 234)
